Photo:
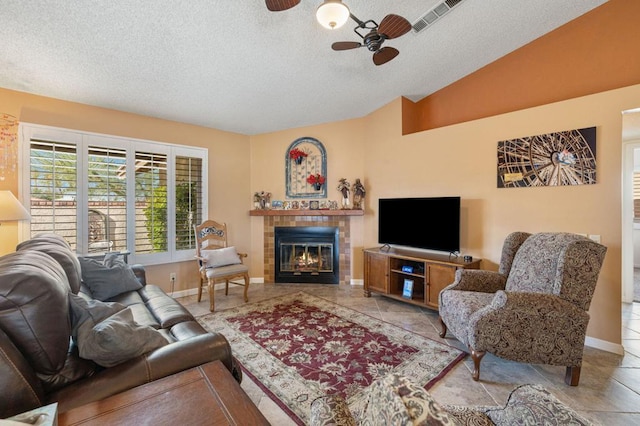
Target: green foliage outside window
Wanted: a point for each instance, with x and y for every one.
(156, 215)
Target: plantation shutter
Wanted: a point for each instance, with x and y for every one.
(151, 203)
(636, 196)
(188, 198)
(106, 193)
(107, 199)
(53, 189)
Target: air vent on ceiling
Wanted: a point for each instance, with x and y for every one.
(434, 14)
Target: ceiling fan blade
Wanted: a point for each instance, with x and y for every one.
(345, 45)
(393, 26)
(384, 55)
(278, 5)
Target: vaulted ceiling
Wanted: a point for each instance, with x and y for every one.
(235, 66)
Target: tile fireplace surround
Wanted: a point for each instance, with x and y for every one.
(338, 218)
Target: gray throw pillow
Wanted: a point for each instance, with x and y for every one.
(117, 339)
(90, 312)
(106, 282)
(113, 258)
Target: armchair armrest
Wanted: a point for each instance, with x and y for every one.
(478, 280)
(530, 327)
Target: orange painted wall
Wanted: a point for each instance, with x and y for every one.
(596, 52)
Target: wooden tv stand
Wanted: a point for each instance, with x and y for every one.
(429, 274)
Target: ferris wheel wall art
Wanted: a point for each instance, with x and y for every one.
(552, 159)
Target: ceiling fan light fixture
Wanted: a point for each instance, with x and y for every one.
(332, 14)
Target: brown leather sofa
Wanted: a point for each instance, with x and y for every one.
(40, 363)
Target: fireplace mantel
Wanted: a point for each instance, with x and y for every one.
(306, 212)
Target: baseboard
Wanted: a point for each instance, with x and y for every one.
(615, 348)
(184, 293)
(194, 291)
(357, 282)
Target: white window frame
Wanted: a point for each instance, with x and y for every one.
(83, 140)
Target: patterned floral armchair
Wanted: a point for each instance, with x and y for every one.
(395, 400)
(534, 309)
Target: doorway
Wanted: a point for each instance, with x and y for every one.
(631, 207)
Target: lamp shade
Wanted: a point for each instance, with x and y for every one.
(332, 14)
(10, 208)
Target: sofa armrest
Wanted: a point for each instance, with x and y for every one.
(23, 390)
(162, 362)
(140, 273)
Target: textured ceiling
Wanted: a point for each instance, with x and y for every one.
(235, 66)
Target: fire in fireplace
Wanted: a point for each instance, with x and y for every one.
(307, 254)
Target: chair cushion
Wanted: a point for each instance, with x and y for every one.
(222, 271)
(533, 405)
(221, 257)
(106, 282)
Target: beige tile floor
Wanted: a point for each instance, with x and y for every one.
(609, 390)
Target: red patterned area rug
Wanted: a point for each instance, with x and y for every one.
(299, 347)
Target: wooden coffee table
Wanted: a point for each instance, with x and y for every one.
(205, 395)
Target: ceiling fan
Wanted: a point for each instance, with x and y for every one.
(279, 5)
(392, 26)
(372, 34)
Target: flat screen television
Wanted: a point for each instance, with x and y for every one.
(425, 223)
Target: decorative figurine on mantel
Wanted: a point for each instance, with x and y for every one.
(358, 195)
(344, 187)
(262, 200)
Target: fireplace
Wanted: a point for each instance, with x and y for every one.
(307, 254)
(291, 218)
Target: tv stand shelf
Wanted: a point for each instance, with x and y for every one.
(392, 272)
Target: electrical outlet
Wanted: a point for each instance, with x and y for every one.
(172, 277)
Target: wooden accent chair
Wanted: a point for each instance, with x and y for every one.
(534, 309)
(217, 261)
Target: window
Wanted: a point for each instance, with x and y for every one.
(188, 200)
(53, 184)
(107, 199)
(104, 193)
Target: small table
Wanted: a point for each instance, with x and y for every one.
(204, 395)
